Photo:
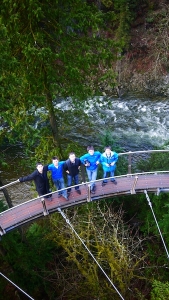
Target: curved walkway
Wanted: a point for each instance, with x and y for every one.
(38, 207)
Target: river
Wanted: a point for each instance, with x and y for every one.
(137, 123)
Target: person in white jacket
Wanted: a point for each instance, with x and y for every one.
(108, 160)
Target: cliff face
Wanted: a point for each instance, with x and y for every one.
(144, 68)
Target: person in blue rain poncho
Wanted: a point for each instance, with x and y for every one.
(108, 160)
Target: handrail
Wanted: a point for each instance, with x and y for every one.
(38, 207)
(141, 151)
(87, 184)
(130, 153)
(9, 184)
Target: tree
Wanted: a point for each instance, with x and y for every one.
(53, 50)
(104, 233)
(58, 48)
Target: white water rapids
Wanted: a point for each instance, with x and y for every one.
(135, 123)
(139, 123)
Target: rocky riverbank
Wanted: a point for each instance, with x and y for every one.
(144, 65)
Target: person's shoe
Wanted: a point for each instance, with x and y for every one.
(104, 183)
(114, 181)
(78, 191)
(93, 191)
(59, 195)
(94, 187)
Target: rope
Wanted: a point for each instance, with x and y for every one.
(16, 286)
(148, 199)
(68, 222)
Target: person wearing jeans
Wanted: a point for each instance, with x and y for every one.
(108, 160)
(70, 179)
(92, 175)
(91, 161)
(56, 169)
(72, 167)
(59, 183)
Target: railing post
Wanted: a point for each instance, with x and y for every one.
(88, 193)
(45, 211)
(2, 231)
(83, 169)
(129, 163)
(134, 185)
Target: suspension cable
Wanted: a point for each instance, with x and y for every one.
(16, 286)
(149, 202)
(68, 222)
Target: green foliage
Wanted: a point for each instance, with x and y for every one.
(106, 237)
(53, 49)
(122, 14)
(154, 161)
(28, 257)
(160, 290)
(3, 206)
(138, 211)
(160, 162)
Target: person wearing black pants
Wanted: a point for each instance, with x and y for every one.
(72, 167)
(39, 176)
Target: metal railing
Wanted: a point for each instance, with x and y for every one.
(130, 154)
(39, 206)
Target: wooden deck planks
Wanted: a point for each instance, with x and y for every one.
(30, 210)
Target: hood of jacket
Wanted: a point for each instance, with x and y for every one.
(111, 154)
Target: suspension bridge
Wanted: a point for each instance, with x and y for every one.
(128, 184)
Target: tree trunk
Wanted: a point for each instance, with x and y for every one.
(52, 117)
(53, 123)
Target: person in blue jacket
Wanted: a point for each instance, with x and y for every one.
(91, 161)
(56, 169)
(108, 160)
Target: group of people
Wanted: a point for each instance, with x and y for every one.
(71, 167)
